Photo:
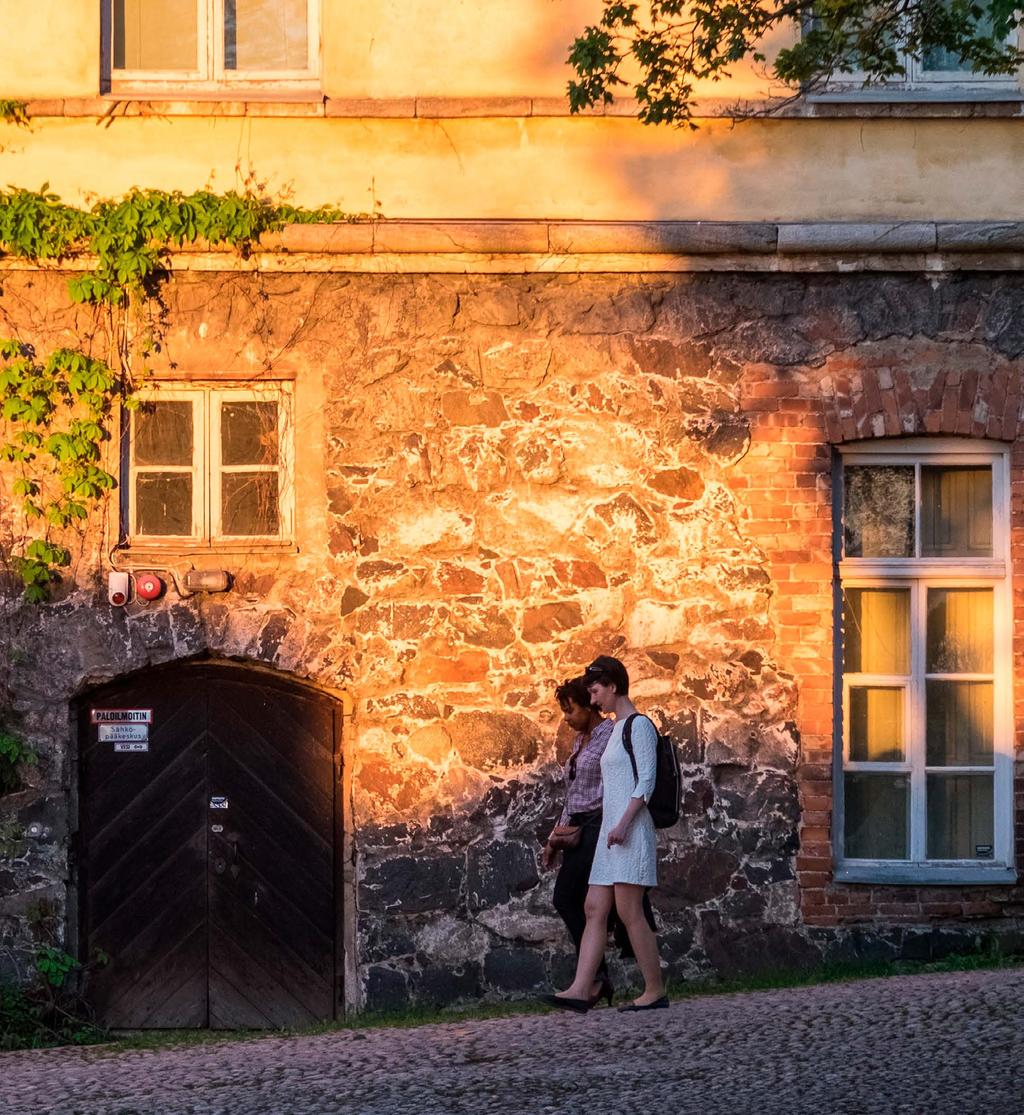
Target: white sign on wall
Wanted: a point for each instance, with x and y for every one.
(118, 732)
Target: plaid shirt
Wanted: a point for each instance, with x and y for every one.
(583, 793)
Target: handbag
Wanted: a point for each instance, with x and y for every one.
(565, 836)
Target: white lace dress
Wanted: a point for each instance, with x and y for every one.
(636, 860)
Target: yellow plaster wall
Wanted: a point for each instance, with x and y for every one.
(51, 48)
(376, 48)
(599, 169)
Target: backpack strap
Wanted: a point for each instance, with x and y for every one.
(627, 743)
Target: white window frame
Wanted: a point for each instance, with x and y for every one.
(211, 74)
(206, 467)
(920, 574)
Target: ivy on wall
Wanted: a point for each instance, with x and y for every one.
(56, 411)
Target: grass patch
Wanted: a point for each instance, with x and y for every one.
(424, 1016)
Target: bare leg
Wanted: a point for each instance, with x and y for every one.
(629, 900)
(597, 907)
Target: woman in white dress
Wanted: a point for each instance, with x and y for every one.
(625, 862)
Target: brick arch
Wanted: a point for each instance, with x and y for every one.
(917, 389)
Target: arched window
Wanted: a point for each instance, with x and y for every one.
(925, 764)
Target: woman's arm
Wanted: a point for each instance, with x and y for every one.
(644, 738)
(618, 834)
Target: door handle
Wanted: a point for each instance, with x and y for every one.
(220, 865)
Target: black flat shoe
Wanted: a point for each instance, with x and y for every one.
(658, 1004)
(578, 1006)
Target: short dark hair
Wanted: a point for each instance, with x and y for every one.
(608, 671)
(575, 690)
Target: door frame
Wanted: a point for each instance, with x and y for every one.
(346, 997)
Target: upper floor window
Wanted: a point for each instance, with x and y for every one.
(938, 72)
(925, 774)
(209, 465)
(211, 43)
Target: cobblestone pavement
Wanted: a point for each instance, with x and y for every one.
(917, 1044)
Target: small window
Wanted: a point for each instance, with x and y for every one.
(210, 465)
(924, 773)
(211, 43)
(938, 74)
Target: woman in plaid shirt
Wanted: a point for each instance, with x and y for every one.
(583, 807)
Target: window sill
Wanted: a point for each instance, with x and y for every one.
(138, 553)
(910, 874)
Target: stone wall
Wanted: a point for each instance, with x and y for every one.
(504, 476)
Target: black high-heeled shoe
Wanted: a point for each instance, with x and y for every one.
(605, 991)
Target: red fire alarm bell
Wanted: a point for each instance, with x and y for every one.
(148, 586)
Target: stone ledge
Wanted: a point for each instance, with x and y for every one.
(567, 246)
(304, 104)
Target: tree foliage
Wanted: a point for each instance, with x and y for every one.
(670, 45)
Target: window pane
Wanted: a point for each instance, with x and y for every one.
(876, 724)
(248, 433)
(960, 816)
(155, 34)
(939, 60)
(163, 503)
(956, 512)
(959, 631)
(876, 631)
(163, 434)
(265, 35)
(876, 816)
(959, 723)
(878, 511)
(250, 503)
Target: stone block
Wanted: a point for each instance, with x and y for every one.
(386, 988)
(460, 236)
(498, 872)
(437, 986)
(980, 236)
(412, 884)
(679, 483)
(280, 108)
(514, 969)
(491, 740)
(694, 876)
(661, 237)
(433, 743)
(45, 106)
(443, 108)
(546, 622)
(896, 236)
(473, 408)
(751, 948)
(370, 107)
(345, 238)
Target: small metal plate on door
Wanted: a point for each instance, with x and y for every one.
(218, 803)
(216, 828)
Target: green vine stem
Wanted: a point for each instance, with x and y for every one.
(56, 411)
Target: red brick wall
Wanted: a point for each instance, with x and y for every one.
(889, 389)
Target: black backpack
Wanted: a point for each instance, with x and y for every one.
(664, 803)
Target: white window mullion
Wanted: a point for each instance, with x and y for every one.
(213, 37)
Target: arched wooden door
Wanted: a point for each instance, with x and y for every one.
(209, 806)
